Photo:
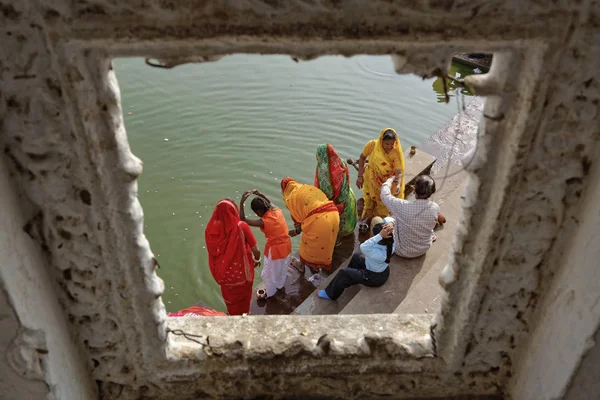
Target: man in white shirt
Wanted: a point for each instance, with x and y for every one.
(415, 219)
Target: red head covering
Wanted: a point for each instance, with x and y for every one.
(226, 245)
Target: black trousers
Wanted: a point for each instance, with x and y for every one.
(355, 273)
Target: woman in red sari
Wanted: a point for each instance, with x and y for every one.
(231, 247)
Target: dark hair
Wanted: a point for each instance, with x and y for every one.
(260, 205)
(389, 135)
(424, 186)
(388, 242)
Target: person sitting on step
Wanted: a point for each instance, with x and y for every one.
(379, 220)
(371, 268)
(415, 219)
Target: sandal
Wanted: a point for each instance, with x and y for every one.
(363, 227)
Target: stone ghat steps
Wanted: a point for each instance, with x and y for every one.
(414, 279)
(313, 305)
(425, 295)
(415, 165)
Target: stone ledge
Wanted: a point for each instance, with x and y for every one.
(403, 337)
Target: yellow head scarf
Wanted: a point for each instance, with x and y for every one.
(385, 164)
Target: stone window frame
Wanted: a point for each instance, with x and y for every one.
(435, 344)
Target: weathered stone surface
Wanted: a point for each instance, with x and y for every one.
(62, 133)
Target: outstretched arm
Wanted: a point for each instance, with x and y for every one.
(386, 194)
(256, 255)
(296, 231)
(252, 222)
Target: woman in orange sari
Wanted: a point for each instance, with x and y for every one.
(386, 159)
(232, 256)
(316, 217)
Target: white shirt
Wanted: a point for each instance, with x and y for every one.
(415, 220)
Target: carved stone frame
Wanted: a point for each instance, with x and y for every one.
(411, 344)
(66, 145)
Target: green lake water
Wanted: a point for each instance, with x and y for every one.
(214, 130)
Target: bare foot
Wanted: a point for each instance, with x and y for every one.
(441, 218)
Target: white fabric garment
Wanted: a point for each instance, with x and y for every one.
(274, 273)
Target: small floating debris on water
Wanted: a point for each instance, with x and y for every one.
(196, 212)
(166, 140)
(129, 113)
(173, 213)
(186, 229)
(477, 71)
(171, 287)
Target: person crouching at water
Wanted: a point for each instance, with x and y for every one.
(232, 256)
(371, 268)
(316, 218)
(278, 248)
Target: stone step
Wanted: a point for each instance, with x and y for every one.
(406, 275)
(314, 305)
(424, 296)
(415, 165)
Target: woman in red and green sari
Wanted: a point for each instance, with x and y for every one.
(333, 178)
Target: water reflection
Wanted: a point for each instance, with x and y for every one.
(457, 70)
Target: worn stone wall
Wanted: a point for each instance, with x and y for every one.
(38, 357)
(13, 385)
(63, 137)
(571, 303)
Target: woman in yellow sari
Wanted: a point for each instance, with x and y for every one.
(316, 217)
(386, 159)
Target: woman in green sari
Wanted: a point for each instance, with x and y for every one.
(333, 178)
